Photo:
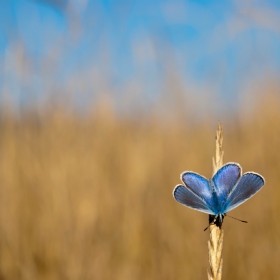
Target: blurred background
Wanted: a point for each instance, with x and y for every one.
(103, 104)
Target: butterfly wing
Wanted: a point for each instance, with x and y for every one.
(195, 194)
(225, 179)
(186, 197)
(248, 185)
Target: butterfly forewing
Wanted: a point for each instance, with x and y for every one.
(186, 197)
(249, 184)
(225, 179)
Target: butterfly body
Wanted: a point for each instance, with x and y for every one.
(220, 194)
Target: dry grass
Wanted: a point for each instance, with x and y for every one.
(92, 198)
(215, 243)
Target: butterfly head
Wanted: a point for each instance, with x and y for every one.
(216, 220)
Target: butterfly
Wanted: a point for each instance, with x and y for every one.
(226, 190)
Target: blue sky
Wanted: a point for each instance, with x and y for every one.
(85, 46)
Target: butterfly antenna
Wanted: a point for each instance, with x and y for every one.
(237, 219)
(207, 227)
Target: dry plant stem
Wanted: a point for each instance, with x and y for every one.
(215, 244)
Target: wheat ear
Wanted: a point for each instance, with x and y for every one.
(215, 244)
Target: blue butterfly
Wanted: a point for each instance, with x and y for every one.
(219, 195)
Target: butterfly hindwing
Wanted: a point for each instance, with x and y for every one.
(225, 179)
(248, 185)
(198, 185)
(188, 198)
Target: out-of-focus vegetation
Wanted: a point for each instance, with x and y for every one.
(90, 197)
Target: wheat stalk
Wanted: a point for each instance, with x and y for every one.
(215, 244)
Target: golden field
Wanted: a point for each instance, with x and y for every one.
(90, 197)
